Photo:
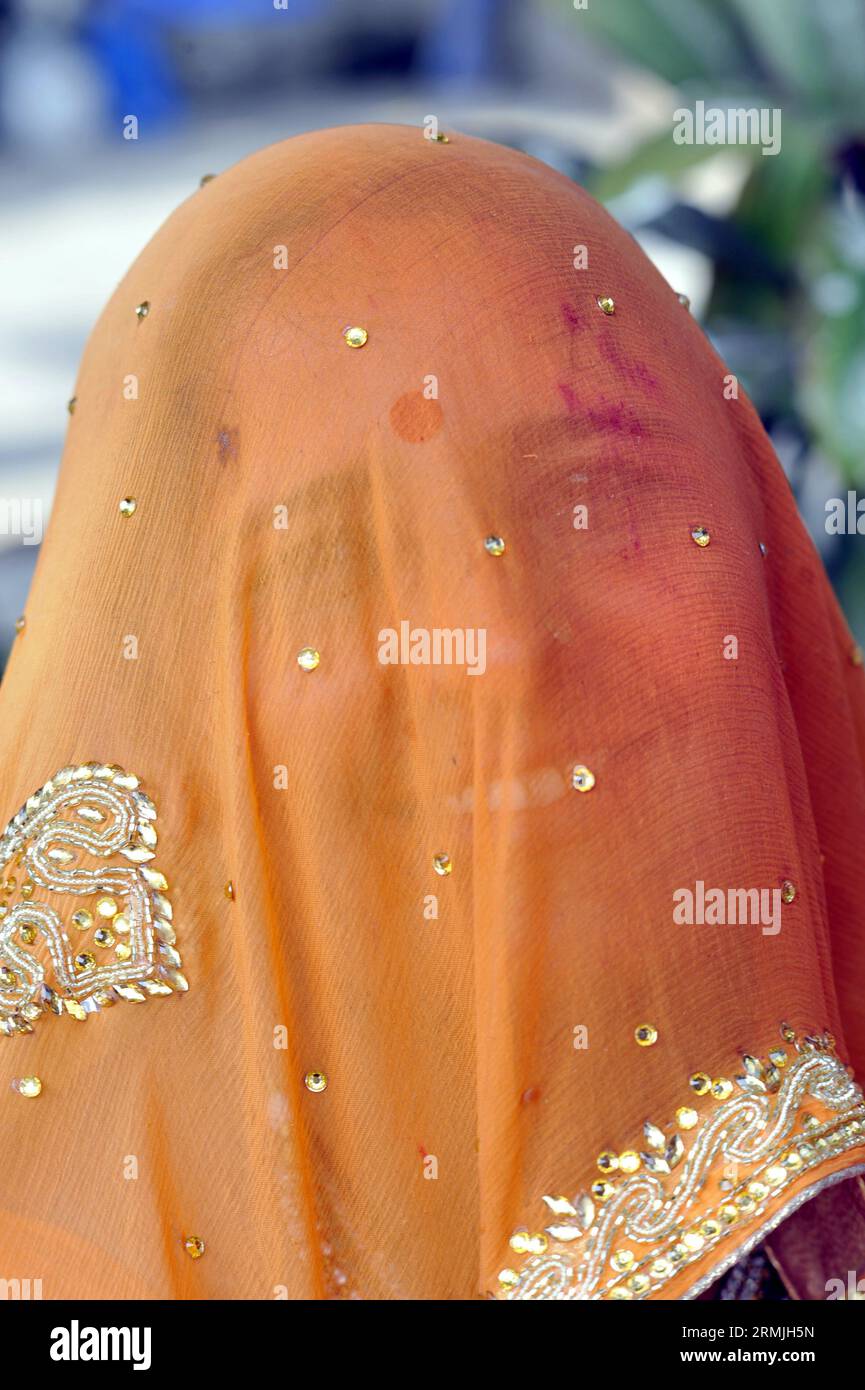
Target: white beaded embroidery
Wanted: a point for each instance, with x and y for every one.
(97, 810)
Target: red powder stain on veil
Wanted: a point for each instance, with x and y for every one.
(415, 418)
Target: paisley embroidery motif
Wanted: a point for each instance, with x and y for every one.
(633, 1235)
(118, 941)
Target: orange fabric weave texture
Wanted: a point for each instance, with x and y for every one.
(292, 491)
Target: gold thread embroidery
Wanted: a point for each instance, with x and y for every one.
(93, 809)
(645, 1229)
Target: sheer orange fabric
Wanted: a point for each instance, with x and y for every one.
(587, 552)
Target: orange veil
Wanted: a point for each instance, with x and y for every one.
(424, 665)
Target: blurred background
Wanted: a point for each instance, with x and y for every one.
(770, 250)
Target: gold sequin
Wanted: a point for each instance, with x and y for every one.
(788, 891)
(315, 1081)
(602, 1191)
(508, 1278)
(194, 1247)
(27, 935)
(646, 1034)
(494, 545)
(722, 1088)
(443, 864)
(607, 304)
(608, 1162)
(700, 536)
(308, 658)
(356, 337)
(29, 1086)
(700, 1082)
(686, 1118)
(229, 890)
(106, 907)
(127, 506)
(582, 778)
(629, 1161)
(143, 309)
(123, 950)
(104, 936)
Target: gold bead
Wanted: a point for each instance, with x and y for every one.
(441, 139)
(776, 1175)
(229, 890)
(788, 891)
(84, 961)
(692, 1240)
(315, 1081)
(127, 506)
(443, 864)
(700, 536)
(143, 309)
(494, 545)
(29, 1086)
(629, 1161)
(106, 907)
(686, 1118)
(623, 1260)
(700, 1082)
(355, 337)
(27, 890)
(646, 1034)
(71, 404)
(8, 978)
(27, 935)
(582, 778)
(194, 1247)
(308, 658)
(20, 623)
(607, 304)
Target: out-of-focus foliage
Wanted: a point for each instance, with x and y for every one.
(787, 307)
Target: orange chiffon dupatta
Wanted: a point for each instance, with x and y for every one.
(441, 849)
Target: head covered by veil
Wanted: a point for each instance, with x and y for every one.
(441, 855)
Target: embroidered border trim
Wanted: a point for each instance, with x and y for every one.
(630, 1238)
(93, 809)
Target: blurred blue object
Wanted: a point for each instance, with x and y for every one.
(466, 40)
(131, 39)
